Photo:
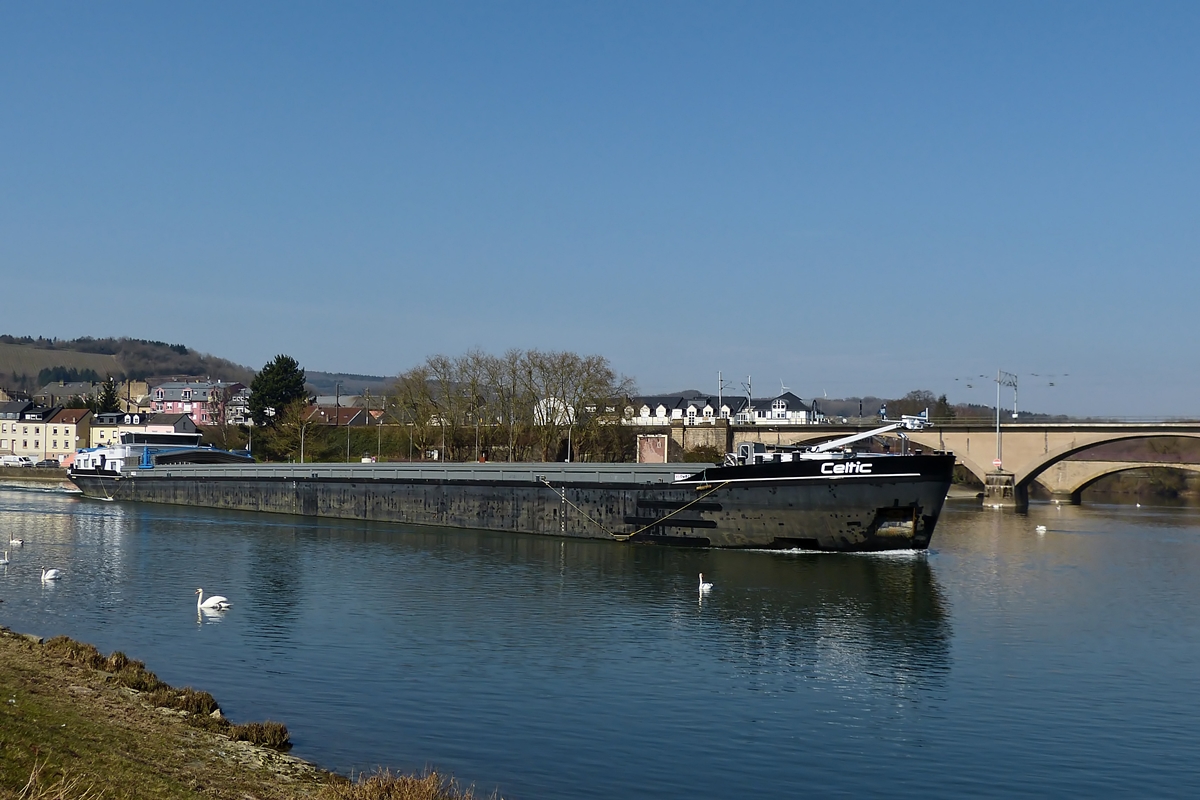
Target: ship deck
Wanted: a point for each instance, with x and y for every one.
(533, 472)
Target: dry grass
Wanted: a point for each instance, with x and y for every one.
(61, 788)
(264, 734)
(383, 785)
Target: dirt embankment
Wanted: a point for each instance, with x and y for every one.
(77, 724)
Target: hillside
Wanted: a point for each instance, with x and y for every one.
(23, 358)
(20, 364)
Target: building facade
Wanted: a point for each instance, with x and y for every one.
(28, 435)
(105, 429)
(66, 431)
(10, 416)
(204, 401)
(689, 409)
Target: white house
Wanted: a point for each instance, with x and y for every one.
(654, 410)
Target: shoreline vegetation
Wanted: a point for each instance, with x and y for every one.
(75, 723)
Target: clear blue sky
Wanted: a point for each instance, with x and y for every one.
(850, 198)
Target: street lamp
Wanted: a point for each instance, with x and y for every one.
(1003, 379)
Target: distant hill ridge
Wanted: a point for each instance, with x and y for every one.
(23, 359)
(26, 363)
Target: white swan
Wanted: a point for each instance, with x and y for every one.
(51, 574)
(214, 603)
(1040, 529)
(704, 587)
(4, 561)
(15, 542)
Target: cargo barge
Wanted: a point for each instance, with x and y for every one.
(831, 497)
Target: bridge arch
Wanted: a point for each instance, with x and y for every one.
(1031, 471)
(1067, 480)
(1146, 465)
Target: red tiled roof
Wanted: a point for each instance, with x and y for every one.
(69, 416)
(326, 415)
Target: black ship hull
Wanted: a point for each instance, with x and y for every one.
(883, 503)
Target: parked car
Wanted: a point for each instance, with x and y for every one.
(51, 463)
(16, 461)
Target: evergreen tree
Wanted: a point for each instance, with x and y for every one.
(107, 401)
(943, 411)
(278, 384)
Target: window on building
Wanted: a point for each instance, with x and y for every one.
(56, 444)
(779, 407)
(24, 444)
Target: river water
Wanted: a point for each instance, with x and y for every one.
(1002, 662)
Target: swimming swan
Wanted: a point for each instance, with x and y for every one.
(214, 603)
(15, 542)
(50, 574)
(4, 561)
(704, 587)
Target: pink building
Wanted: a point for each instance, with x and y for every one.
(200, 400)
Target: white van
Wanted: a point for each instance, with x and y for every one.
(16, 461)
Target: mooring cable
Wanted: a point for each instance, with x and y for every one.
(623, 537)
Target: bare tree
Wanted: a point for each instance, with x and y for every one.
(219, 398)
(291, 430)
(524, 399)
(415, 406)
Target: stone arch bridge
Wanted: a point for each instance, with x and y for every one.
(1028, 451)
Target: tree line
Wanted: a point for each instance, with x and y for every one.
(522, 405)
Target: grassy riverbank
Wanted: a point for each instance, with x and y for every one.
(77, 724)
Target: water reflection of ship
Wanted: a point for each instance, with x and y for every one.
(885, 613)
(881, 620)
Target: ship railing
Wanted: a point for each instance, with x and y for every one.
(524, 473)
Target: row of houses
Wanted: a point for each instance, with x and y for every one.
(695, 409)
(207, 402)
(53, 432)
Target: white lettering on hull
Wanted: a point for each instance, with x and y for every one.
(847, 468)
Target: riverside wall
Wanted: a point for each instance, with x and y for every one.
(32, 475)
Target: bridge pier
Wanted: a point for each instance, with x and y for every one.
(1000, 489)
(1067, 498)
